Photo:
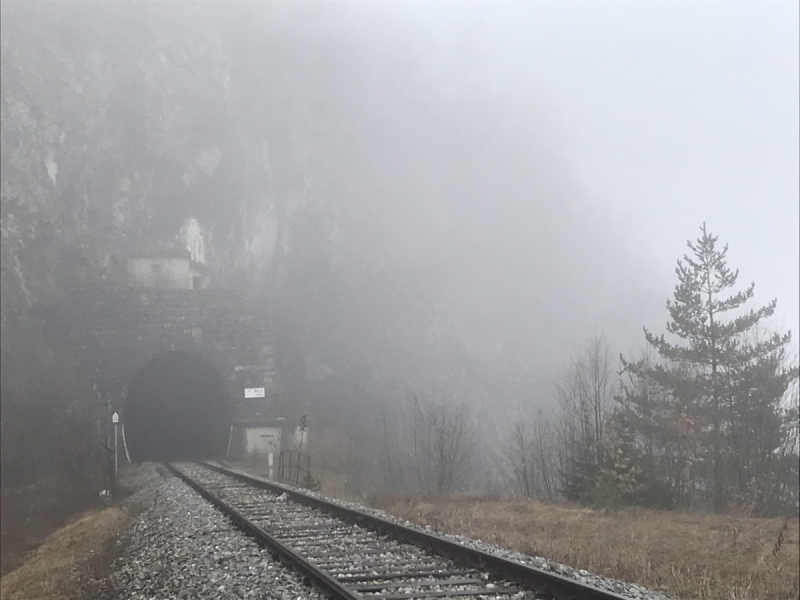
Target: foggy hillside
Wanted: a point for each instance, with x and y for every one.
(318, 150)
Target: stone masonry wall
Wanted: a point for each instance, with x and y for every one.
(115, 330)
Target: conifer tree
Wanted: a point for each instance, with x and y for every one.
(708, 319)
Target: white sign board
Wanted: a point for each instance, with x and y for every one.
(254, 392)
(115, 418)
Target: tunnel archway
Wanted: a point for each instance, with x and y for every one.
(177, 407)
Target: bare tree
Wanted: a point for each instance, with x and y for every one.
(545, 442)
(522, 459)
(442, 441)
(530, 451)
(584, 393)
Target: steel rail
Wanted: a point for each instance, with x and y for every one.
(319, 578)
(539, 580)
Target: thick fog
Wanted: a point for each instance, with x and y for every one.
(665, 114)
(426, 195)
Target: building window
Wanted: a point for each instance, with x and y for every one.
(157, 268)
(196, 283)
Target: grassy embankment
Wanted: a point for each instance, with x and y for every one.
(59, 566)
(688, 555)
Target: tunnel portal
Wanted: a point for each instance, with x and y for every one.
(177, 407)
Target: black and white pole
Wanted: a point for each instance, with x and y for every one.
(115, 422)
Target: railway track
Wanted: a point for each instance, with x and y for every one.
(354, 555)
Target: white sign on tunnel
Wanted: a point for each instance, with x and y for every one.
(254, 392)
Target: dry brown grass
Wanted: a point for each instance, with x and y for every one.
(688, 555)
(56, 569)
(33, 512)
(50, 573)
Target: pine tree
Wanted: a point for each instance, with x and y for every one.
(710, 348)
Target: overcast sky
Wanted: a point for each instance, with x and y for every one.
(669, 114)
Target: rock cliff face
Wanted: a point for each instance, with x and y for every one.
(116, 123)
(258, 131)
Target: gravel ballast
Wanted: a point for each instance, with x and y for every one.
(182, 547)
(348, 550)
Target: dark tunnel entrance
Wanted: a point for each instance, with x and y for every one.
(177, 407)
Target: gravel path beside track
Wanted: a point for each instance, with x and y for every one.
(182, 548)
